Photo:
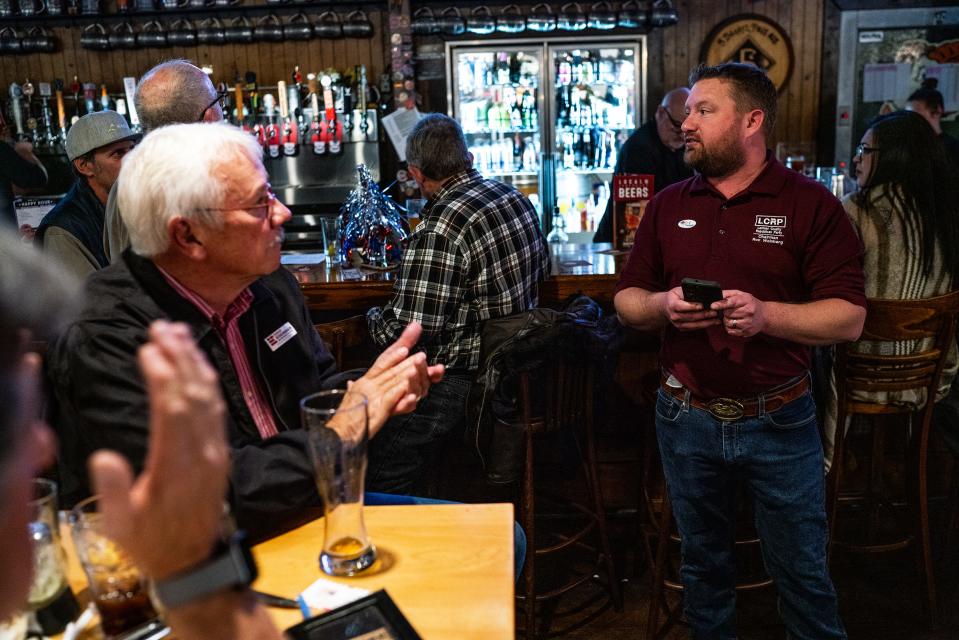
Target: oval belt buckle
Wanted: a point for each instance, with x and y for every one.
(725, 409)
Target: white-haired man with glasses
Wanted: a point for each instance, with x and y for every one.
(205, 231)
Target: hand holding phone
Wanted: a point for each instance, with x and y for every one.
(704, 292)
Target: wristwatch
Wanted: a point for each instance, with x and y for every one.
(231, 566)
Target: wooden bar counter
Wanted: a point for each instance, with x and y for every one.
(576, 269)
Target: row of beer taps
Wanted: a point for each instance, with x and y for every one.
(294, 118)
(38, 112)
(282, 123)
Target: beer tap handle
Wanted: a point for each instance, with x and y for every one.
(89, 91)
(268, 104)
(347, 108)
(364, 124)
(76, 89)
(61, 110)
(238, 99)
(16, 94)
(282, 98)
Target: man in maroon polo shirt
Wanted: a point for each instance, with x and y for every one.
(735, 403)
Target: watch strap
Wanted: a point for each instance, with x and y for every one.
(231, 567)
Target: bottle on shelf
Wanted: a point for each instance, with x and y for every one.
(516, 114)
(502, 68)
(558, 232)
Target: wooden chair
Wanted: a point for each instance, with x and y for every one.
(931, 323)
(341, 335)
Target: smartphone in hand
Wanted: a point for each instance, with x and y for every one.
(704, 292)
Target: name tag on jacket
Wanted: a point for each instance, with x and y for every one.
(280, 337)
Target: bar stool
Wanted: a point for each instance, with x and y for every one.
(341, 335)
(929, 325)
(565, 402)
(658, 530)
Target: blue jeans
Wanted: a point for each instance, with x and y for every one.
(779, 457)
(403, 456)
(519, 536)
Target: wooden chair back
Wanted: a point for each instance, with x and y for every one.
(927, 323)
(925, 330)
(341, 335)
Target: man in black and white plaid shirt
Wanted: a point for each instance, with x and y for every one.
(477, 254)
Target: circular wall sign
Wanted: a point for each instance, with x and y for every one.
(753, 39)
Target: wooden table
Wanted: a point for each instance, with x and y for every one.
(576, 268)
(449, 568)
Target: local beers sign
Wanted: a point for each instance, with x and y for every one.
(631, 193)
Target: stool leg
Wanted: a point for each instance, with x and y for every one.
(834, 478)
(529, 504)
(596, 496)
(921, 509)
(952, 513)
(659, 567)
(529, 574)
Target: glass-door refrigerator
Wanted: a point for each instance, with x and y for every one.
(497, 96)
(594, 97)
(549, 117)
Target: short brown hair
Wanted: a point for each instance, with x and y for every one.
(751, 88)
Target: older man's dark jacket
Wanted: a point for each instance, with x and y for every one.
(101, 402)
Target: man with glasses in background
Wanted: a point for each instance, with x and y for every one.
(172, 92)
(656, 149)
(205, 231)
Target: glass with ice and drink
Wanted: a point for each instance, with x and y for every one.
(119, 591)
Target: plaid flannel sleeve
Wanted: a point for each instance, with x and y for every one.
(429, 284)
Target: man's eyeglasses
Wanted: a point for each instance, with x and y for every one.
(219, 100)
(259, 209)
(677, 124)
(863, 149)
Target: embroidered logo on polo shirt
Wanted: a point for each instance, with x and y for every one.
(280, 337)
(769, 229)
(686, 224)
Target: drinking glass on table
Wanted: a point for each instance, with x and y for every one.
(119, 590)
(50, 596)
(331, 239)
(414, 211)
(338, 430)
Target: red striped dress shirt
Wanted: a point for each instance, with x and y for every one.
(228, 328)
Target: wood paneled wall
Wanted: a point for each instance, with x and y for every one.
(673, 52)
(270, 61)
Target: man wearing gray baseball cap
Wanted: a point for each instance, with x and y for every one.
(73, 230)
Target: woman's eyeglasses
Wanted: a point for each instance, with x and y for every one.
(219, 100)
(863, 149)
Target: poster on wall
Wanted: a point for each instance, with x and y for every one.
(894, 66)
(754, 39)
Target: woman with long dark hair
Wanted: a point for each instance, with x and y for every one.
(906, 211)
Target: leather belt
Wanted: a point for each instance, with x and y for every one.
(729, 409)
